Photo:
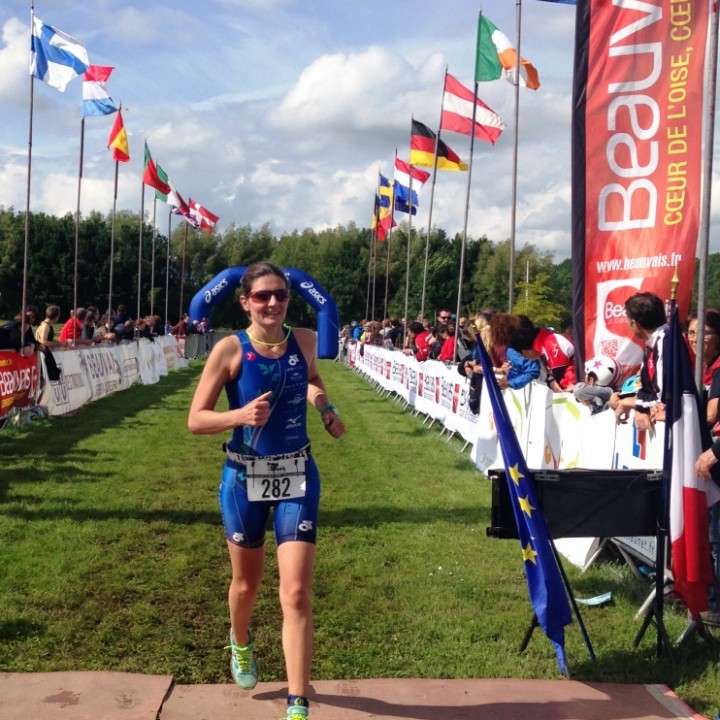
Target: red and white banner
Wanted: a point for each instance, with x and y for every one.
(636, 162)
(18, 381)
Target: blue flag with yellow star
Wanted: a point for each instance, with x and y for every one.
(545, 585)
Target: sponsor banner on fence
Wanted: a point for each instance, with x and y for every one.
(91, 373)
(555, 431)
(18, 381)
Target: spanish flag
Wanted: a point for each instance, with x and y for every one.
(118, 140)
(422, 150)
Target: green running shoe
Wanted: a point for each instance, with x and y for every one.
(296, 713)
(242, 664)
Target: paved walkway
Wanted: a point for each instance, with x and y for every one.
(123, 696)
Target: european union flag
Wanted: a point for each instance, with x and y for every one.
(545, 585)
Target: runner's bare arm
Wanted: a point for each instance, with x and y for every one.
(222, 365)
(317, 394)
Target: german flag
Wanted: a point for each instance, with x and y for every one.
(422, 150)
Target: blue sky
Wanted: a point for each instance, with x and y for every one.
(284, 111)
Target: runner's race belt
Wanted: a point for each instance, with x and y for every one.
(271, 478)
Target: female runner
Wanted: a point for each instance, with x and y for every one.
(269, 373)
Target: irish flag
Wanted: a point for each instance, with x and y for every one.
(496, 58)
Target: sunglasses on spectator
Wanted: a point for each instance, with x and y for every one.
(444, 317)
(263, 296)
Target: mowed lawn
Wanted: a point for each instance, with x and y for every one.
(113, 557)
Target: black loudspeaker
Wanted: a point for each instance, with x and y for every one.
(584, 503)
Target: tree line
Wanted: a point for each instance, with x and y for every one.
(341, 259)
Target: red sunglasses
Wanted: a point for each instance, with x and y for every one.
(263, 296)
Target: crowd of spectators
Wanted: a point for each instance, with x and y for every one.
(519, 351)
(522, 352)
(86, 326)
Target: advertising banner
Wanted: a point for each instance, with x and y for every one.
(637, 141)
(18, 381)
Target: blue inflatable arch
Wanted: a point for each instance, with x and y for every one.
(328, 318)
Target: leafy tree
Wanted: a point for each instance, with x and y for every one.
(536, 300)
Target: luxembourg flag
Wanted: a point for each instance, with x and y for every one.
(686, 436)
(56, 57)
(96, 100)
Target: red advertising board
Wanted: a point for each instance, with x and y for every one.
(18, 381)
(639, 161)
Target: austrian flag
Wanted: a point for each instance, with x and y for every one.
(460, 105)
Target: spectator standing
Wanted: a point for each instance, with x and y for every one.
(418, 338)
(555, 353)
(72, 330)
(645, 315)
(12, 337)
(711, 360)
(45, 334)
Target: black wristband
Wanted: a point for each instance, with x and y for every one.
(715, 449)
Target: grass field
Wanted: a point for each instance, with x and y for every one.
(113, 557)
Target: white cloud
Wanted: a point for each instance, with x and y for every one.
(15, 63)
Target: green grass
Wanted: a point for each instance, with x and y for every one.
(113, 557)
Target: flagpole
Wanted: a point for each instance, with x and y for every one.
(388, 241)
(374, 237)
(77, 218)
(407, 262)
(369, 280)
(373, 243)
(463, 243)
(182, 273)
(513, 202)
(152, 261)
(112, 237)
(140, 241)
(26, 249)
(706, 200)
(430, 211)
(167, 267)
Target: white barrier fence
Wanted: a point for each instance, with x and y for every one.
(554, 430)
(91, 373)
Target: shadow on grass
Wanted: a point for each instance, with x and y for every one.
(379, 516)
(52, 444)
(18, 630)
(80, 515)
(687, 662)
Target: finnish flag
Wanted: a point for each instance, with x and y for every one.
(56, 57)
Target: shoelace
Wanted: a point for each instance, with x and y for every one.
(242, 656)
(295, 715)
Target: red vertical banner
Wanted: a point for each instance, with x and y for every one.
(637, 153)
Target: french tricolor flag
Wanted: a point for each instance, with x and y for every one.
(690, 495)
(96, 100)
